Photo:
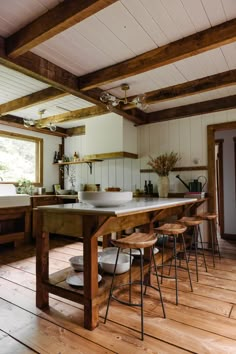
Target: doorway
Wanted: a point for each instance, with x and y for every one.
(215, 174)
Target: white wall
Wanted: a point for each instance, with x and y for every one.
(229, 180)
(187, 136)
(50, 144)
(104, 132)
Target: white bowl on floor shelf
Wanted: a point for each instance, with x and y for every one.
(105, 199)
(107, 262)
(77, 262)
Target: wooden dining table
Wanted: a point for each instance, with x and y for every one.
(89, 223)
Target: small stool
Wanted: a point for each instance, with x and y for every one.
(211, 218)
(174, 230)
(195, 221)
(138, 241)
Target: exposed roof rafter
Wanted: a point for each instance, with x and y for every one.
(54, 21)
(181, 49)
(82, 113)
(194, 109)
(31, 100)
(41, 69)
(188, 88)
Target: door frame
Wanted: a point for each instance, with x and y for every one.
(220, 178)
(211, 129)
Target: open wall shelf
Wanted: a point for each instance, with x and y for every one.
(188, 168)
(89, 162)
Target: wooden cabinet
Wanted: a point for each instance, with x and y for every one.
(41, 200)
(15, 224)
(47, 199)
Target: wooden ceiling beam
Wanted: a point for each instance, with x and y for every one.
(181, 49)
(189, 88)
(58, 19)
(41, 69)
(31, 100)
(76, 131)
(216, 105)
(83, 113)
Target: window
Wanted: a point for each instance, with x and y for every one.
(20, 157)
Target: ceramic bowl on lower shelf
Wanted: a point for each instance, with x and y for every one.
(77, 262)
(107, 262)
(105, 199)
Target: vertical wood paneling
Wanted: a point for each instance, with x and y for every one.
(154, 139)
(97, 172)
(174, 136)
(207, 119)
(163, 137)
(105, 176)
(127, 175)
(184, 141)
(186, 136)
(196, 139)
(135, 175)
(120, 173)
(112, 173)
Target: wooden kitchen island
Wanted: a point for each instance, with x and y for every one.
(82, 220)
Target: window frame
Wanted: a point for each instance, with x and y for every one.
(39, 154)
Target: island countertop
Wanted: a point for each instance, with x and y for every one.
(134, 206)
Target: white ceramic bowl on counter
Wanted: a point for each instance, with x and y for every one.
(105, 199)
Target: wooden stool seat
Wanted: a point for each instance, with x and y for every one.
(190, 220)
(207, 216)
(171, 229)
(136, 240)
(176, 231)
(194, 222)
(139, 241)
(211, 219)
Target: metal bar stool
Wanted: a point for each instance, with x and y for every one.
(174, 230)
(138, 241)
(195, 221)
(211, 219)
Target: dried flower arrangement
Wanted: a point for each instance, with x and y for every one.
(164, 163)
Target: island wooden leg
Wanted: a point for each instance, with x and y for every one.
(27, 226)
(42, 268)
(91, 310)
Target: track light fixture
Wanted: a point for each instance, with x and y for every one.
(31, 122)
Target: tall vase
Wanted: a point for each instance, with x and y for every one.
(163, 186)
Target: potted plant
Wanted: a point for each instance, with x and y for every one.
(25, 186)
(162, 165)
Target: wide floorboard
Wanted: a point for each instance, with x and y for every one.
(203, 322)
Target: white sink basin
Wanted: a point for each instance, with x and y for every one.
(7, 201)
(9, 198)
(105, 199)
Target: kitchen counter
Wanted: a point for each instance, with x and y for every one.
(135, 206)
(85, 221)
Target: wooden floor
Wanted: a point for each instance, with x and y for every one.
(203, 322)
